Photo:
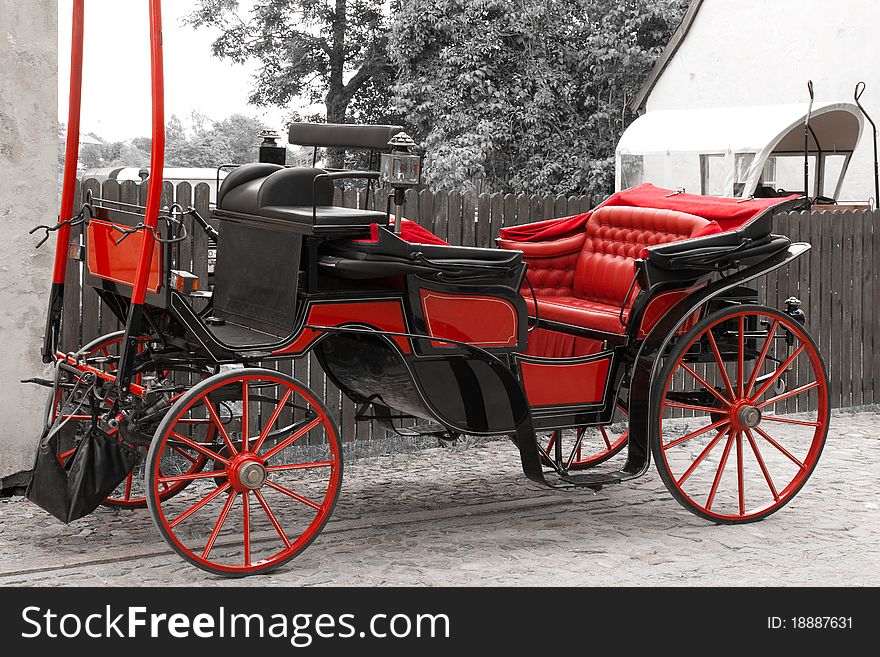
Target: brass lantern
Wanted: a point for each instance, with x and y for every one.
(401, 169)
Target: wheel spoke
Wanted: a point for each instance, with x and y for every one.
(551, 442)
(720, 362)
(701, 456)
(699, 432)
(277, 525)
(788, 420)
(244, 416)
(189, 457)
(296, 496)
(761, 463)
(128, 482)
(758, 363)
(782, 449)
(272, 420)
(299, 466)
(576, 450)
(740, 358)
(705, 384)
(719, 472)
(246, 516)
(299, 433)
(192, 476)
(789, 394)
(200, 448)
(216, 418)
(198, 505)
(605, 437)
(66, 455)
(219, 524)
(692, 407)
(739, 473)
(779, 372)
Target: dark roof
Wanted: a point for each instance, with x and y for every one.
(638, 103)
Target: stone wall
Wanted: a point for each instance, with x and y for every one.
(28, 193)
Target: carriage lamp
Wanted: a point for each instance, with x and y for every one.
(401, 169)
(271, 151)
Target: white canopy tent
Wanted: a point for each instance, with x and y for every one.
(731, 151)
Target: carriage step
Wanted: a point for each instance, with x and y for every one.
(594, 480)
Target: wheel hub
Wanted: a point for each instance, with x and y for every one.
(247, 472)
(747, 416)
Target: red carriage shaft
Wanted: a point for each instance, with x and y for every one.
(71, 156)
(71, 159)
(157, 157)
(154, 190)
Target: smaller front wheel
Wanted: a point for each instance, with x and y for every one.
(274, 475)
(722, 444)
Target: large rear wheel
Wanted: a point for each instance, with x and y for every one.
(742, 415)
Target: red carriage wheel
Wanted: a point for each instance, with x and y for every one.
(722, 445)
(103, 353)
(585, 447)
(274, 479)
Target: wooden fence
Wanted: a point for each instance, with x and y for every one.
(837, 280)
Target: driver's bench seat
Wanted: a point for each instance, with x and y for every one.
(295, 194)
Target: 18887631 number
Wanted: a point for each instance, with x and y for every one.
(810, 623)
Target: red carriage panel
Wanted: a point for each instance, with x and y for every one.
(118, 262)
(383, 315)
(565, 384)
(660, 305)
(555, 344)
(482, 321)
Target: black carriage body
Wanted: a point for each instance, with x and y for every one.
(292, 273)
(435, 331)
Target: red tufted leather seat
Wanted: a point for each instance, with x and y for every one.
(583, 280)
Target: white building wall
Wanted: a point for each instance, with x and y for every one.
(28, 196)
(762, 52)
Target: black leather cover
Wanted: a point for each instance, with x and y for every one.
(74, 490)
(256, 278)
(326, 135)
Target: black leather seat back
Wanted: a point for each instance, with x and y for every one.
(336, 135)
(252, 187)
(249, 176)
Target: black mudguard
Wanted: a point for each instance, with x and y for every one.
(470, 392)
(644, 396)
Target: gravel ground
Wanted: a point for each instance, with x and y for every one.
(467, 516)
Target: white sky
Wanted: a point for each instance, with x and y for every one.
(116, 70)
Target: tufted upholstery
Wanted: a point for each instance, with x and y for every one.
(552, 265)
(583, 280)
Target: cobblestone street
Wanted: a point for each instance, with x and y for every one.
(467, 516)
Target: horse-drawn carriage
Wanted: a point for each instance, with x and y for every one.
(629, 327)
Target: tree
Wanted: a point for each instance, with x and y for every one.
(98, 154)
(209, 144)
(204, 143)
(319, 50)
(531, 97)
